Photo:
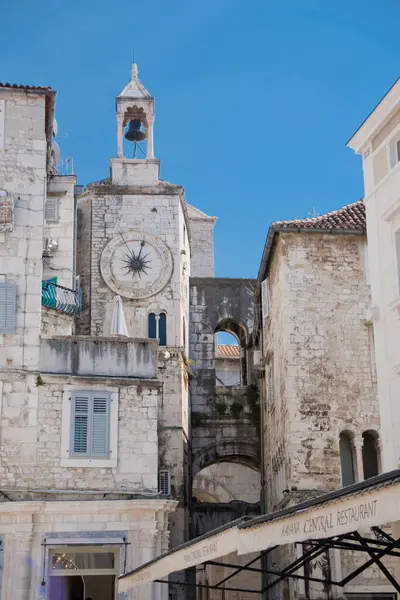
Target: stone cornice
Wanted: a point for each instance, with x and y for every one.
(88, 506)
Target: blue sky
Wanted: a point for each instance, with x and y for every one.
(255, 99)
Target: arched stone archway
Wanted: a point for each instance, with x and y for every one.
(241, 451)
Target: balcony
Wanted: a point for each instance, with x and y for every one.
(99, 356)
(61, 298)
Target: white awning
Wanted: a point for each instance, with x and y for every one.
(366, 504)
(218, 543)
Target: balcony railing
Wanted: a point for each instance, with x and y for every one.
(61, 298)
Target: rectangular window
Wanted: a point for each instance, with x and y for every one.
(164, 482)
(90, 424)
(51, 212)
(265, 299)
(8, 307)
(270, 383)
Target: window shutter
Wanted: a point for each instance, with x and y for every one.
(271, 383)
(265, 299)
(90, 424)
(80, 424)
(164, 482)
(8, 307)
(51, 208)
(100, 425)
(397, 241)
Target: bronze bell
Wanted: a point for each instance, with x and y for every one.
(134, 133)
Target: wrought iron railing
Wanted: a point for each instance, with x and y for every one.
(61, 298)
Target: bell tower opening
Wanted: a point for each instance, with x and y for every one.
(135, 163)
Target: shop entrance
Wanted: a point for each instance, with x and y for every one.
(79, 574)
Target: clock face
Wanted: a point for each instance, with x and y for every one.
(136, 265)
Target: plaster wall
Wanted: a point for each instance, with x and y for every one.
(383, 220)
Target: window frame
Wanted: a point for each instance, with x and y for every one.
(157, 314)
(10, 305)
(70, 459)
(55, 200)
(90, 418)
(265, 300)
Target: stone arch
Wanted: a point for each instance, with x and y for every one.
(240, 333)
(235, 450)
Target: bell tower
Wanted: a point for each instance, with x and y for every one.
(135, 165)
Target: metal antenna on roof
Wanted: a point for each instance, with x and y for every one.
(133, 55)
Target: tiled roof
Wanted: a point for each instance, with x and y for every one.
(26, 87)
(350, 218)
(227, 351)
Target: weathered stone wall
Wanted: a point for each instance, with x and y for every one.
(202, 243)
(23, 176)
(155, 210)
(214, 303)
(31, 438)
(56, 323)
(320, 344)
(61, 265)
(83, 262)
(227, 481)
(319, 341)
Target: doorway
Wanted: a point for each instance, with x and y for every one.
(78, 574)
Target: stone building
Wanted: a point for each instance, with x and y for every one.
(320, 417)
(125, 428)
(378, 142)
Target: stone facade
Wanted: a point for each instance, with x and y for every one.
(319, 378)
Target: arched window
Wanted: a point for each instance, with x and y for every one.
(369, 455)
(158, 327)
(162, 329)
(346, 459)
(152, 326)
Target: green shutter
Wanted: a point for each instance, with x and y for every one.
(90, 425)
(8, 307)
(80, 424)
(100, 425)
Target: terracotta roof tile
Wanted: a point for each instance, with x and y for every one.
(348, 218)
(227, 351)
(25, 87)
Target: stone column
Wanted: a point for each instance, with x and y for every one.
(17, 572)
(359, 467)
(150, 142)
(120, 120)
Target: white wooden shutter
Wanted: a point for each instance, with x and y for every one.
(99, 425)
(51, 212)
(270, 382)
(265, 299)
(397, 241)
(80, 424)
(8, 307)
(164, 482)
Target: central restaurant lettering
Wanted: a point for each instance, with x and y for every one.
(200, 552)
(324, 523)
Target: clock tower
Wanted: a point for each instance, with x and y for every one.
(134, 242)
(134, 230)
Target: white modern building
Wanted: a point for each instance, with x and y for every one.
(378, 142)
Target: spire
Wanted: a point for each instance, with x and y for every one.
(135, 88)
(134, 71)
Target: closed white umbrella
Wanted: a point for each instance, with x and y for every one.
(118, 325)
